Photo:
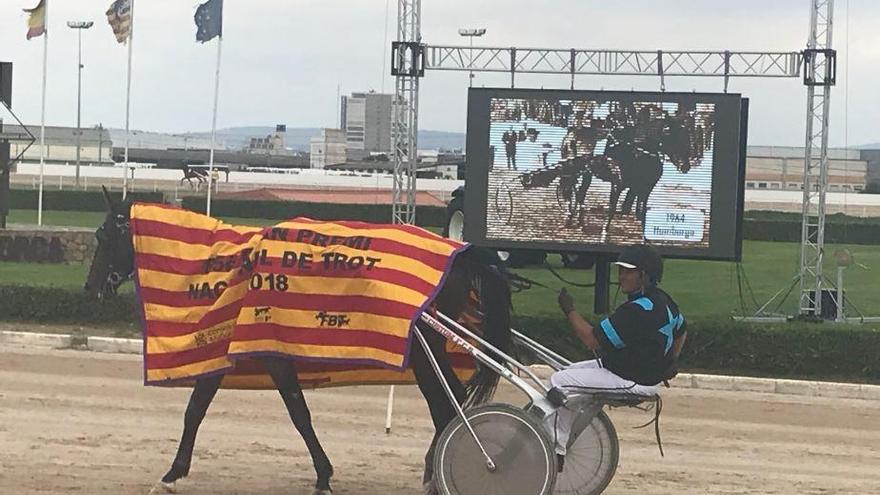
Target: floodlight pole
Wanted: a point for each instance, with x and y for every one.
(471, 33)
(79, 26)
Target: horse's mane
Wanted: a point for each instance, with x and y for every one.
(494, 292)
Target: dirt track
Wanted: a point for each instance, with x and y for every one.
(73, 422)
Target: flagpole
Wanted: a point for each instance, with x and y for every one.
(128, 100)
(214, 125)
(43, 112)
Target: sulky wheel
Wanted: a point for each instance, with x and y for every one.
(504, 203)
(591, 458)
(525, 462)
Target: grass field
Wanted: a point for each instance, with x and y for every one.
(702, 288)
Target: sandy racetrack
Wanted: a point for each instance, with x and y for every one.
(75, 422)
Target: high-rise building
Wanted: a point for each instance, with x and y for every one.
(328, 149)
(366, 120)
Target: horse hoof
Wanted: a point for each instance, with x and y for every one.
(162, 487)
(317, 491)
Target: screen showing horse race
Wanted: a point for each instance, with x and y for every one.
(598, 170)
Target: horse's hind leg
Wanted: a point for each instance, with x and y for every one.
(284, 375)
(202, 395)
(586, 180)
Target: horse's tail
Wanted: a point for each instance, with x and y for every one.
(496, 305)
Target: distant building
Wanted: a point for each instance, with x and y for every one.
(328, 149)
(782, 168)
(431, 165)
(161, 141)
(366, 120)
(273, 144)
(95, 144)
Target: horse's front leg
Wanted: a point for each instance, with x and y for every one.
(284, 375)
(586, 180)
(442, 410)
(616, 190)
(202, 395)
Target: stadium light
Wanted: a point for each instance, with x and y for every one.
(79, 26)
(471, 33)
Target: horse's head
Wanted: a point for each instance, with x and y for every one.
(113, 262)
(683, 141)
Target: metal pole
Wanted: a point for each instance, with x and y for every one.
(471, 64)
(128, 103)
(602, 289)
(79, 68)
(389, 409)
(100, 143)
(490, 465)
(214, 125)
(43, 115)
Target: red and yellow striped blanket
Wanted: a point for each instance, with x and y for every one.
(338, 297)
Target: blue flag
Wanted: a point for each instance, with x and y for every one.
(209, 20)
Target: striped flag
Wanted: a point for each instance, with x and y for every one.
(37, 20)
(339, 297)
(119, 18)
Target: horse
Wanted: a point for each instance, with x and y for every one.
(637, 143)
(472, 270)
(189, 173)
(636, 155)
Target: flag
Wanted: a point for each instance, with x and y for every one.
(209, 20)
(119, 17)
(37, 20)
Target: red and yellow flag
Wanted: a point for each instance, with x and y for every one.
(338, 297)
(37, 20)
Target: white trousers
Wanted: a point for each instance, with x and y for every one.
(586, 377)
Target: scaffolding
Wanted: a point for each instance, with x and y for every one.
(817, 65)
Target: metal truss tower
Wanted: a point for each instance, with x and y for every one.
(820, 67)
(410, 58)
(407, 65)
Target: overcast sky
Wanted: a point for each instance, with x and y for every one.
(283, 60)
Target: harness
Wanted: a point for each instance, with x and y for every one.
(115, 277)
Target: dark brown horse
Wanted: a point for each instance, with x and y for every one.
(113, 264)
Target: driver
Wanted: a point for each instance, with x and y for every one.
(639, 343)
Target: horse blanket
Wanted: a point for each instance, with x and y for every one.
(339, 298)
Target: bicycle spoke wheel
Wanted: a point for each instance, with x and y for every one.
(524, 459)
(591, 458)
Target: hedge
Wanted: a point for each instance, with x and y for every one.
(795, 350)
(427, 216)
(26, 199)
(789, 350)
(789, 231)
(838, 218)
(56, 305)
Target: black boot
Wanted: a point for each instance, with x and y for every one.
(560, 462)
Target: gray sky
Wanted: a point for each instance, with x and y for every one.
(282, 60)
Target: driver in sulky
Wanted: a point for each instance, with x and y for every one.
(639, 343)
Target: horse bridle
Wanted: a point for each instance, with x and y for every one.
(114, 277)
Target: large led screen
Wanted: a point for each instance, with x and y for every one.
(598, 170)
